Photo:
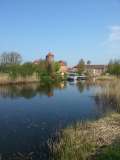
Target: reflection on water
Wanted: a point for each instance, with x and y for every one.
(29, 91)
(31, 114)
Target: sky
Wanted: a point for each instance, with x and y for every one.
(71, 29)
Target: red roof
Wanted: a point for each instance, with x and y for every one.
(62, 63)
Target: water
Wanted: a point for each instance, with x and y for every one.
(31, 114)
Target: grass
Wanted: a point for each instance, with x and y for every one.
(110, 95)
(111, 152)
(106, 77)
(96, 140)
(83, 140)
(5, 79)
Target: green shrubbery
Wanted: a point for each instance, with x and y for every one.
(45, 72)
(114, 67)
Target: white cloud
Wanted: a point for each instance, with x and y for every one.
(111, 45)
(113, 37)
(114, 34)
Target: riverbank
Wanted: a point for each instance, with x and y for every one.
(94, 140)
(106, 77)
(5, 79)
(90, 140)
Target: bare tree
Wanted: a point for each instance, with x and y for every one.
(10, 58)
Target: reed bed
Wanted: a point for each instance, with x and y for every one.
(96, 140)
(6, 79)
(110, 95)
(83, 140)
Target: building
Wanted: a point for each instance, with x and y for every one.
(63, 67)
(50, 57)
(95, 70)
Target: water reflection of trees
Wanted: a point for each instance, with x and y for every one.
(86, 85)
(102, 103)
(29, 90)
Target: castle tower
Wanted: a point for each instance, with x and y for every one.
(50, 58)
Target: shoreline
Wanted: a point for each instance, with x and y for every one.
(89, 140)
(5, 79)
(18, 82)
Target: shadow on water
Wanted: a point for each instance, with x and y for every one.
(32, 114)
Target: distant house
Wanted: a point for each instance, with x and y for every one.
(63, 67)
(95, 70)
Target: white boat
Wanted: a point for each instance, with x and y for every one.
(76, 77)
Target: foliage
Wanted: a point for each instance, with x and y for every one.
(45, 71)
(114, 67)
(81, 66)
(110, 152)
(88, 62)
(110, 95)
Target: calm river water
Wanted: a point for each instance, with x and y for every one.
(31, 114)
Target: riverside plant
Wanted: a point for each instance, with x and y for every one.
(94, 140)
(110, 95)
(85, 140)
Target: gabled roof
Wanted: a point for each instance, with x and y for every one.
(62, 63)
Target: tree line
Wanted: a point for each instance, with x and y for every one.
(11, 63)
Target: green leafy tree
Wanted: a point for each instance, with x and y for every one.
(114, 67)
(88, 62)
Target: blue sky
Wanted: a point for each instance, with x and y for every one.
(71, 29)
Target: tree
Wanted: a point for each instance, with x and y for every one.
(88, 62)
(56, 66)
(81, 66)
(114, 67)
(11, 58)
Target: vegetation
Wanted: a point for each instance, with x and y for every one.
(114, 67)
(84, 141)
(88, 62)
(10, 58)
(81, 66)
(110, 95)
(96, 140)
(10, 64)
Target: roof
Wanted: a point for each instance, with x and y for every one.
(62, 63)
(95, 66)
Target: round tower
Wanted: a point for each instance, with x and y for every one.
(50, 57)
